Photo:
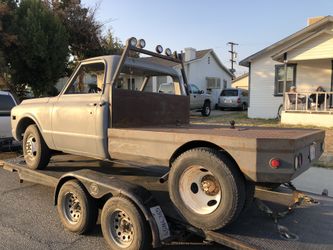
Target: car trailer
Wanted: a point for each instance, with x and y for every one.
(283, 219)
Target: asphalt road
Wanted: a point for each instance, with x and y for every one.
(28, 220)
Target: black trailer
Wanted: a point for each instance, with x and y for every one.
(284, 219)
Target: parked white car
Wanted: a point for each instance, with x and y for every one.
(199, 100)
(7, 102)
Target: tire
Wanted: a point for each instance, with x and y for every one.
(197, 180)
(244, 106)
(124, 226)
(222, 109)
(280, 109)
(206, 109)
(77, 210)
(250, 189)
(36, 153)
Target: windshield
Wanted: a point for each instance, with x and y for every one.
(229, 92)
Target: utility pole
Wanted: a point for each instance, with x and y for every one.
(233, 55)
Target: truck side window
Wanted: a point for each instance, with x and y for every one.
(89, 79)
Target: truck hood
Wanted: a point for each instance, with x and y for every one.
(36, 100)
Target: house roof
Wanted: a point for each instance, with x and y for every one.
(199, 55)
(240, 77)
(307, 30)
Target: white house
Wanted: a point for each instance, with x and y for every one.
(203, 68)
(308, 57)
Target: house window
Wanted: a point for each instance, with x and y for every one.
(279, 78)
(213, 83)
(225, 84)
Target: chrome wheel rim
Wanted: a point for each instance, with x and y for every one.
(31, 146)
(72, 208)
(200, 190)
(121, 228)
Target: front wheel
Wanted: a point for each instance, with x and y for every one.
(36, 153)
(206, 109)
(207, 188)
(124, 226)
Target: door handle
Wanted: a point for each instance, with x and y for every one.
(92, 104)
(102, 104)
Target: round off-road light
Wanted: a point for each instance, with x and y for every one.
(132, 41)
(175, 54)
(159, 49)
(168, 52)
(275, 163)
(141, 44)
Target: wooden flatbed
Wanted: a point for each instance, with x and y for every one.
(309, 226)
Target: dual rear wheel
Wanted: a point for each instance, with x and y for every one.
(123, 225)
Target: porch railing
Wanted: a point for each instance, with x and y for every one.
(309, 102)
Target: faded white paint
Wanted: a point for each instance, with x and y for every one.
(306, 119)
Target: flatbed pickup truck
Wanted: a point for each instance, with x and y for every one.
(110, 109)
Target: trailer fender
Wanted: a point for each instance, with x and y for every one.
(98, 185)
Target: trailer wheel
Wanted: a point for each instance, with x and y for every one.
(206, 109)
(36, 153)
(76, 208)
(123, 225)
(207, 188)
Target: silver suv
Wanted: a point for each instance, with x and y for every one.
(234, 98)
(198, 99)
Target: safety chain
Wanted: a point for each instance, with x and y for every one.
(298, 199)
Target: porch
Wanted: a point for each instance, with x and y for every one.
(308, 109)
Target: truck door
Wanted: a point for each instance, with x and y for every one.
(78, 112)
(195, 97)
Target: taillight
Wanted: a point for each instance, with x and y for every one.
(274, 163)
(238, 100)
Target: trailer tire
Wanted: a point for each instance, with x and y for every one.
(77, 210)
(207, 188)
(206, 109)
(36, 153)
(124, 226)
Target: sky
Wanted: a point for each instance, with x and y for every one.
(203, 24)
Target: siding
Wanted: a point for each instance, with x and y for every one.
(263, 103)
(241, 83)
(320, 47)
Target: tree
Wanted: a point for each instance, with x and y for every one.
(40, 55)
(83, 29)
(111, 45)
(7, 39)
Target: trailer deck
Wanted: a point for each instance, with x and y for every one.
(309, 226)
